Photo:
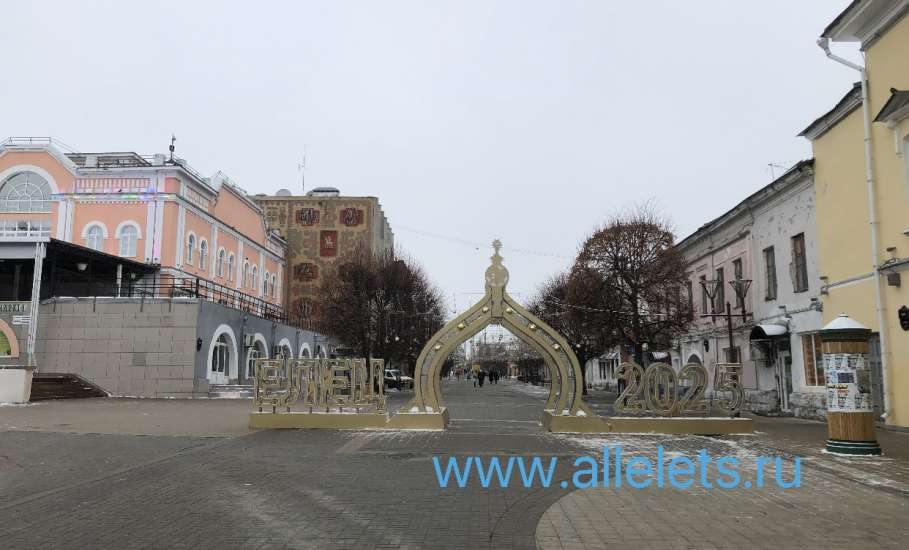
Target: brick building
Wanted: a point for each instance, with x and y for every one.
(322, 230)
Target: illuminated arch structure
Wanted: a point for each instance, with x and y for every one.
(498, 308)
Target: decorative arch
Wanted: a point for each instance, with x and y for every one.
(233, 363)
(12, 342)
(694, 358)
(305, 352)
(19, 168)
(497, 307)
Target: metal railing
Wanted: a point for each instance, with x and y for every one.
(195, 288)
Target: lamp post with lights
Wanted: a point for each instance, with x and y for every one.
(740, 287)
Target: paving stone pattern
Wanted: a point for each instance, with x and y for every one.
(329, 489)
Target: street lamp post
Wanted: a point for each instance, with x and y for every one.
(740, 286)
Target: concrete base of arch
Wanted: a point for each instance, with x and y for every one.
(646, 425)
(349, 421)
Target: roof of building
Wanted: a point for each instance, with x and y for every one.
(830, 28)
(850, 102)
(790, 176)
(865, 21)
(895, 107)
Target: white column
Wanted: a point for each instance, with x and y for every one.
(40, 253)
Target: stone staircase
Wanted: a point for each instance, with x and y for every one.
(48, 385)
(230, 391)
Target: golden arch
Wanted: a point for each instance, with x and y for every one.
(497, 307)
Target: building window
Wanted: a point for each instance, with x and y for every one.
(265, 284)
(799, 264)
(253, 282)
(719, 301)
(690, 306)
(244, 277)
(25, 192)
(733, 355)
(704, 297)
(190, 247)
(94, 238)
(129, 236)
(737, 271)
(220, 356)
(203, 253)
(274, 286)
(219, 268)
(230, 267)
(769, 274)
(814, 363)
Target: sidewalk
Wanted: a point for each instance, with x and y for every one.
(843, 501)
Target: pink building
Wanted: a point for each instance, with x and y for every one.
(150, 209)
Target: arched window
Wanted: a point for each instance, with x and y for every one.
(25, 192)
(265, 284)
(255, 352)
(230, 267)
(274, 288)
(219, 267)
(203, 253)
(94, 238)
(244, 278)
(254, 281)
(190, 247)
(220, 356)
(129, 236)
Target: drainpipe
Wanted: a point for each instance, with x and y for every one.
(824, 44)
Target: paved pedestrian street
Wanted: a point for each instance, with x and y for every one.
(127, 485)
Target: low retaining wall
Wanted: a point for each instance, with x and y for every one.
(126, 346)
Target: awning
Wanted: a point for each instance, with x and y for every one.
(763, 332)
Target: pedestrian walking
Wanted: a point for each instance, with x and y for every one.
(482, 377)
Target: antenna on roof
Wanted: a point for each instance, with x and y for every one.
(173, 138)
(773, 165)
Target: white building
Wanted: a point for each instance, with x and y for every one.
(786, 291)
(768, 238)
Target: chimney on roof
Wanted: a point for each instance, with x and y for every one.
(91, 161)
(159, 159)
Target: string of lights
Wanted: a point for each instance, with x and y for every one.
(478, 245)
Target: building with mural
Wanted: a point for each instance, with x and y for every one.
(861, 147)
(323, 229)
(138, 274)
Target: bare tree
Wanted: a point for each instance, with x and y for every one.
(571, 303)
(635, 258)
(381, 306)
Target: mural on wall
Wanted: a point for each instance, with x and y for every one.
(351, 217)
(308, 216)
(328, 243)
(306, 272)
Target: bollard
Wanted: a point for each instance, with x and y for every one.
(850, 415)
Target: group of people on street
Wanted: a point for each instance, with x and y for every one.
(479, 377)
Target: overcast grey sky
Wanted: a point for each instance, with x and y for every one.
(526, 121)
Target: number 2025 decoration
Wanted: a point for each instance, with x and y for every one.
(659, 390)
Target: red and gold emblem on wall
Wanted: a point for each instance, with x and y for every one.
(306, 272)
(307, 216)
(351, 217)
(328, 243)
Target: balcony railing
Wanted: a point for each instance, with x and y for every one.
(200, 289)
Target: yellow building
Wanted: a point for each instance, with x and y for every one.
(861, 148)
